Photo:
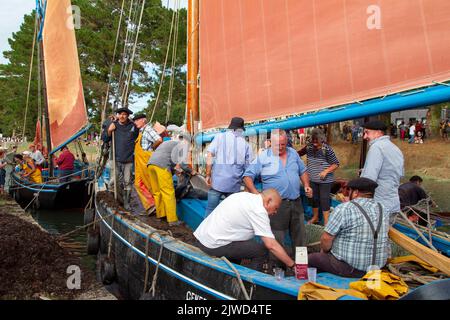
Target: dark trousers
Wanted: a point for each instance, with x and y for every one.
(326, 262)
(236, 251)
(321, 195)
(289, 218)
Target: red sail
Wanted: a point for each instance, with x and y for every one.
(67, 110)
(261, 59)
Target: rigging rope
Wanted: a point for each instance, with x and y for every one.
(29, 76)
(112, 64)
(126, 49)
(238, 276)
(130, 71)
(164, 67)
(174, 58)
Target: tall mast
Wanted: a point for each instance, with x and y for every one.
(192, 110)
(46, 118)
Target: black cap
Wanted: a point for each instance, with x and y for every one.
(362, 184)
(124, 110)
(139, 116)
(236, 123)
(375, 125)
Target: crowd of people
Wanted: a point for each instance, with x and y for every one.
(31, 164)
(259, 194)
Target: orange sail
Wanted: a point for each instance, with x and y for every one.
(261, 59)
(66, 105)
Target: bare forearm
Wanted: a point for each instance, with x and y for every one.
(209, 161)
(277, 250)
(248, 182)
(326, 242)
(304, 178)
(332, 168)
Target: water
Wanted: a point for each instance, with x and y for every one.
(58, 222)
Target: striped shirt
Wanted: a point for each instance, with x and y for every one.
(353, 240)
(319, 160)
(149, 137)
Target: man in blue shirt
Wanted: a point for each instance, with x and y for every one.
(384, 165)
(228, 157)
(281, 168)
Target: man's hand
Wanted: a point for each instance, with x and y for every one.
(111, 128)
(309, 192)
(208, 181)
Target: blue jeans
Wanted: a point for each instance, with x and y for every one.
(411, 138)
(214, 198)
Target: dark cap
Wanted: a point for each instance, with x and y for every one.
(124, 110)
(362, 184)
(139, 116)
(375, 125)
(236, 123)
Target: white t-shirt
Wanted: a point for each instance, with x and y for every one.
(239, 217)
(412, 130)
(37, 157)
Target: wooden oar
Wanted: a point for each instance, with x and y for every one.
(426, 254)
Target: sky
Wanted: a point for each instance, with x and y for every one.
(11, 17)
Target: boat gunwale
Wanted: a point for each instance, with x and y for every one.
(195, 254)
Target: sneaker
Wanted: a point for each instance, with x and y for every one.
(175, 223)
(151, 210)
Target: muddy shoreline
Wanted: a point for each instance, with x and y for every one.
(35, 266)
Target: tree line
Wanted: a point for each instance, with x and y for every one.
(95, 40)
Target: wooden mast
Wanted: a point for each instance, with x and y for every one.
(192, 108)
(46, 117)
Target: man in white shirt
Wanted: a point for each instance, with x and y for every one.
(37, 156)
(230, 229)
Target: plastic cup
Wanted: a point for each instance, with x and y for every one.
(312, 273)
(279, 273)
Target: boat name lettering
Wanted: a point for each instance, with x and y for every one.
(194, 296)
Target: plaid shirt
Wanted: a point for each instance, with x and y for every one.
(353, 240)
(149, 137)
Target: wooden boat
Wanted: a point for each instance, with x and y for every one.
(184, 272)
(71, 194)
(64, 113)
(141, 254)
(267, 53)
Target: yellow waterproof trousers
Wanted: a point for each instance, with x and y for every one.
(142, 175)
(163, 192)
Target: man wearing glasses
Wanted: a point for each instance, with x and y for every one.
(384, 165)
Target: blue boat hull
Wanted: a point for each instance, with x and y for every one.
(72, 194)
(185, 272)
